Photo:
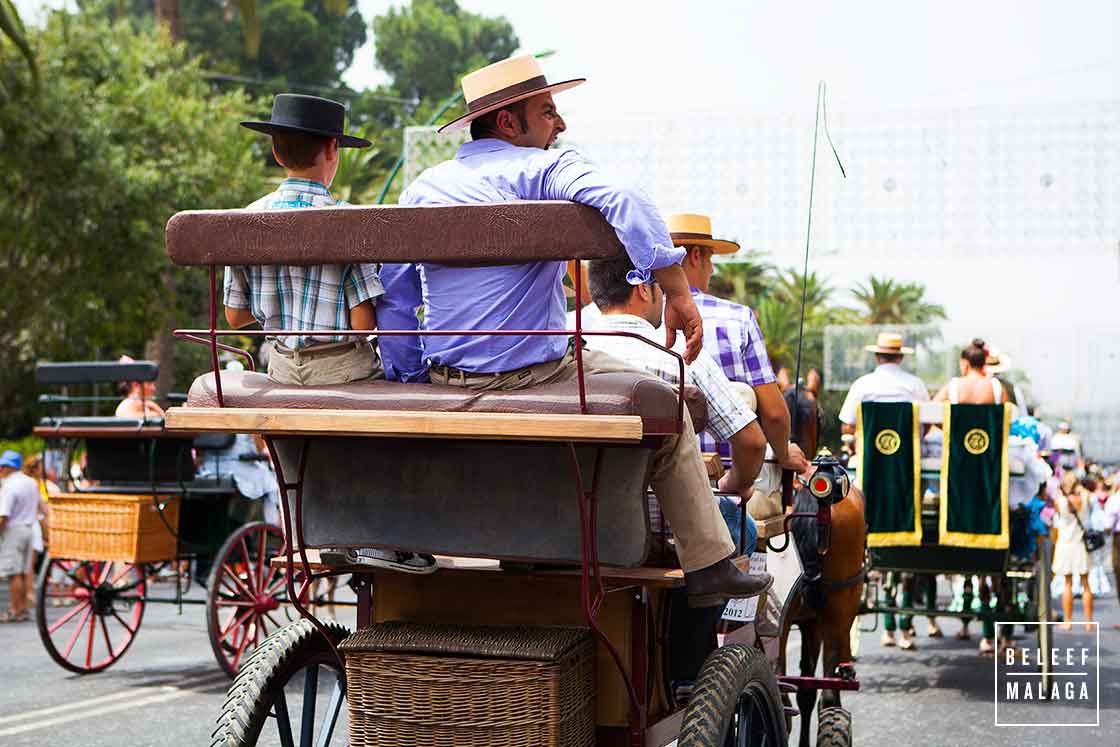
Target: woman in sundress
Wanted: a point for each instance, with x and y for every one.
(1070, 556)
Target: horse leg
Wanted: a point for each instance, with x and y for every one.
(807, 697)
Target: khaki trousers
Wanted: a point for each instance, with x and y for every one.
(323, 365)
(680, 479)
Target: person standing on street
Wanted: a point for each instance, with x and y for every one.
(19, 510)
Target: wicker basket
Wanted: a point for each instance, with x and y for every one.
(420, 685)
(104, 526)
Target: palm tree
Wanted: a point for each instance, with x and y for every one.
(12, 30)
(888, 301)
(744, 280)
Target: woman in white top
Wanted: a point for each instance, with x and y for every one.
(1070, 555)
(973, 386)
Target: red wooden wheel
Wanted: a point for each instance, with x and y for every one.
(245, 594)
(89, 612)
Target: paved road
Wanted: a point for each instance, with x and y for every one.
(167, 690)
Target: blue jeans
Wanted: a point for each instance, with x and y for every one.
(733, 514)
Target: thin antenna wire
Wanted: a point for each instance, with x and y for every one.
(822, 113)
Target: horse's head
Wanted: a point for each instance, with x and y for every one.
(806, 413)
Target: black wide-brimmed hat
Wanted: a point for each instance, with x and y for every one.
(294, 112)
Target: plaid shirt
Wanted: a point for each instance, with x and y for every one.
(294, 297)
(733, 338)
(727, 413)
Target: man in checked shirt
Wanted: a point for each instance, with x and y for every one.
(733, 338)
(638, 309)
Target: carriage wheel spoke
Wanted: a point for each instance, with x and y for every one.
(249, 571)
(283, 722)
(131, 630)
(310, 690)
(67, 617)
(338, 694)
(235, 623)
(105, 633)
(241, 589)
(127, 569)
(262, 553)
(89, 642)
(77, 632)
(240, 650)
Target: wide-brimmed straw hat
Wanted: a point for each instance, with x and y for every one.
(889, 343)
(693, 229)
(995, 363)
(502, 84)
(311, 115)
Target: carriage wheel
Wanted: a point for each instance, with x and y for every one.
(245, 594)
(834, 728)
(88, 612)
(296, 666)
(735, 702)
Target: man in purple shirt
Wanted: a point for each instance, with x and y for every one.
(513, 123)
(732, 336)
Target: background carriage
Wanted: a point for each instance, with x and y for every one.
(138, 512)
(944, 513)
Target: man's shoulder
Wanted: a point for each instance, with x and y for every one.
(723, 308)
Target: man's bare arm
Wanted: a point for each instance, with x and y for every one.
(680, 311)
(748, 450)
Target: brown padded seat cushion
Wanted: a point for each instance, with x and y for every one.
(607, 394)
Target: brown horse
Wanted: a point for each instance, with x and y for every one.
(827, 604)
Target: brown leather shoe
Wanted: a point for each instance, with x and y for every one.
(714, 585)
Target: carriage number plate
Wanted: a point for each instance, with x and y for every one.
(743, 610)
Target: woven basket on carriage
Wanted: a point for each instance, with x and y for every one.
(110, 527)
(500, 686)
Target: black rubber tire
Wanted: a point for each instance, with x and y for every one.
(251, 697)
(834, 728)
(733, 674)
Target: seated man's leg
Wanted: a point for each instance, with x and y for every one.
(747, 531)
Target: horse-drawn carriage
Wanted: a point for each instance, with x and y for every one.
(556, 615)
(949, 513)
(138, 512)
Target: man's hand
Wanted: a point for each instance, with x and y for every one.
(680, 311)
(796, 460)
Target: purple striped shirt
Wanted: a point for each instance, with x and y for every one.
(733, 338)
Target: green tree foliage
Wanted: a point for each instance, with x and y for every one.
(286, 44)
(428, 46)
(12, 32)
(124, 133)
(888, 301)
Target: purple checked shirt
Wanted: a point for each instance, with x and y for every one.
(525, 296)
(732, 336)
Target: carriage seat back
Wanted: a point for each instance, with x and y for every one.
(507, 499)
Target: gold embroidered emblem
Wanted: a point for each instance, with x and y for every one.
(888, 442)
(976, 441)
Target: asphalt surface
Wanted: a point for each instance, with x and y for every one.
(167, 690)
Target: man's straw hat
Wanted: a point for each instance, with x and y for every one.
(889, 343)
(502, 84)
(695, 229)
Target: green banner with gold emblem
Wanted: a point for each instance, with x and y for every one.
(890, 472)
(973, 511)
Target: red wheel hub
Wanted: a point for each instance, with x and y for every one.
(263, 603)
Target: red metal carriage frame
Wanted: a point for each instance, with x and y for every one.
(593, 589)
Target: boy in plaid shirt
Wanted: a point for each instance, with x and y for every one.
(306, 136)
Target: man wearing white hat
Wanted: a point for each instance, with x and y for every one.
(733, 338)
(514, 122)
(887, 383)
